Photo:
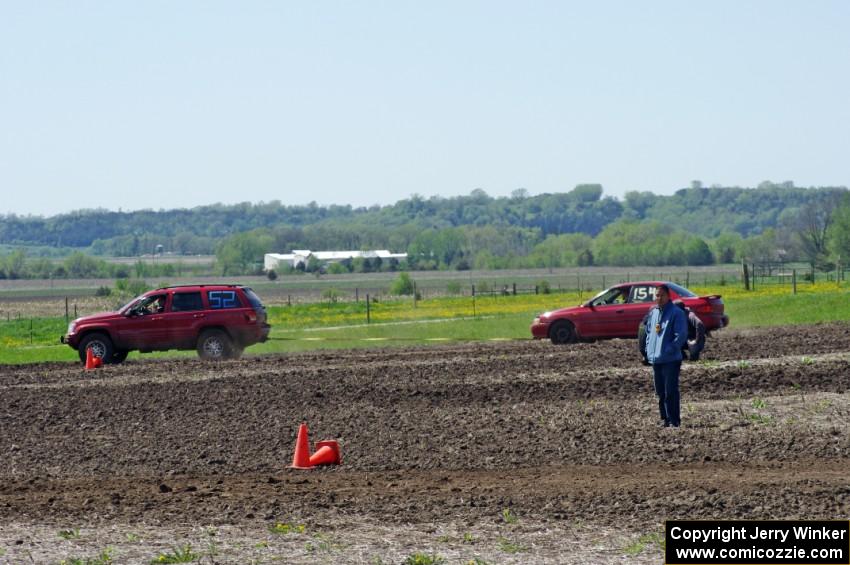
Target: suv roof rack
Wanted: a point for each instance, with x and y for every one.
(198, 285)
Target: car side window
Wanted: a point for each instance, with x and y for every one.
(151, 305)
(186, 302)
(642, 293)
(222, 299)
(612, 296)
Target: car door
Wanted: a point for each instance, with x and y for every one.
(145, 328)
(185, 318)
(604, 318)
(641, 300)
(620, 314)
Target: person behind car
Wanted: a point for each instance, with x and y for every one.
(696, 333)
(666, 333)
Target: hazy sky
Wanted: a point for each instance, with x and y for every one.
(176, 104)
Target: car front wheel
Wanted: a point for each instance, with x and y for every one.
(100, 345)
(214, 345)
(562, 332)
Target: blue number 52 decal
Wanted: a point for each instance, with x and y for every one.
(222, 299)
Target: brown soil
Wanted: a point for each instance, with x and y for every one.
(439, 437)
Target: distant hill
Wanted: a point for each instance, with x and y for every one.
(706, 212)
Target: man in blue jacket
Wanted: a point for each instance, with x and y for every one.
(666, 334)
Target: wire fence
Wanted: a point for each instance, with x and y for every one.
(22, 318)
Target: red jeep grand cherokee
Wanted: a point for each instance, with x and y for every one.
(217, 320)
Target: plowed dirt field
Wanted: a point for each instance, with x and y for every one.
(508, 452)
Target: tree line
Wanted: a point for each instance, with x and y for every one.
(705, 211)
(694, 226)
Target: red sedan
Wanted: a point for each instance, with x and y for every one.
(618, 311)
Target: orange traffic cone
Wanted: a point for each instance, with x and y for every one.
(327, 453)
(98, 362)
(301, 458)
(89, 360)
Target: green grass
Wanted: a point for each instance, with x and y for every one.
(783, 309)
(177, 555)
(104, 558)
(423, 559)
(50, 292)
(69, 534)
(639, 545)
(509, 517)
(433, 321)
(508, 546)
(281, 528)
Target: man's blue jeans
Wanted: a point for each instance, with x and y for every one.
(667, 389)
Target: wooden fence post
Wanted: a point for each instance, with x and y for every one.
(794, 280)
(368, 313)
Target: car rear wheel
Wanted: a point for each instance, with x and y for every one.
(214, 345)
(100, 345)
(562, 332)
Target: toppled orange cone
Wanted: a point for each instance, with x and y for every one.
(301, 458)
(90, 360)
(327, 453)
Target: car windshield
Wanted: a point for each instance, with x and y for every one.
(593, 300)
(129, 305)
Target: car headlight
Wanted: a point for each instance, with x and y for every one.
(71, 327)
